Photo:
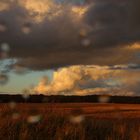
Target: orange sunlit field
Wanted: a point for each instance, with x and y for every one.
(72, 121)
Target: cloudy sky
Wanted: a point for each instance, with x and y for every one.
(67, 47)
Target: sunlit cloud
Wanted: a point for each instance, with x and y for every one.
(41, 9)
(51, 9)
(88, 80)
(79, 10)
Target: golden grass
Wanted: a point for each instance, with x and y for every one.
(69, 122)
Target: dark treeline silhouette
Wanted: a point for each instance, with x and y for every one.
(67, 99)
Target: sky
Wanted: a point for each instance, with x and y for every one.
(79, 47)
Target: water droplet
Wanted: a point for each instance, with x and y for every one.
(19, 69)
(15, 115)
(3, 79)
(77, 116)
(34, 119)
(26, 29)
(83, 33)
(25, 95)
(5, 47)
(77, 119)
(12, 105)
(45, 100)
(85, 42)
(4, 55)
(3, 27)
(104, 99)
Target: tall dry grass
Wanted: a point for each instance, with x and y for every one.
(49, 125)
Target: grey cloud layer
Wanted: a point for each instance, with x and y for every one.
(53, 43)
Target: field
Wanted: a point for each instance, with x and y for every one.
(71, 121)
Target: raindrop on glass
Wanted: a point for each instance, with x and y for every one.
(26, 29)
(12, 105)
(77, 116)
(104, 99)
(19, 69)
(85, 42)
(3, 55)
(5, 47)
(77, 119)
(25, 95)
(3, 27)
(3, 79)
(83, 33)
(15, 115)
(34, 119)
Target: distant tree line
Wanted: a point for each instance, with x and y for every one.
(68, 99)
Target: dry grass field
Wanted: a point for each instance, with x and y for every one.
(75, 121)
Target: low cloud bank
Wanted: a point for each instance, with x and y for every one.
(88, 80)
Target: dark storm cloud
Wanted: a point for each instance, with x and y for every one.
(48, 36)
(114, 23)
(57, 42)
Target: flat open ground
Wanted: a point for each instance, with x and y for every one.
(96, 110)
(71, 121)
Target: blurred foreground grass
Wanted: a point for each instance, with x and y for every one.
(31, 123)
